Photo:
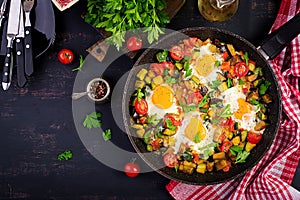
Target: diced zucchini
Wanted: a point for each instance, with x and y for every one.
(140, 133)
(147, 80)
(244, 135)
(195, 79)
(257, 82)
(231, 49)
(151, 74)
(142, 73)
(149, 147)
(249, 146)
(252, 77)
(169, 132)
(201, 168)
(158, 80)
(139, 84)
(137, 126)
(220, 164)
(219, 156)
(251, 67)
(210, 166)
(223, 86)
(179, 66)
(236, 140)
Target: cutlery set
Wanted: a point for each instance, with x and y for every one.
(19, 50)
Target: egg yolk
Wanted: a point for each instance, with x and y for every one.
(163, 97)
(195, 129)
(244, 108)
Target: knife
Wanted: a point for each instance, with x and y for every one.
(2, 11)
(20, 52)
(12, 31)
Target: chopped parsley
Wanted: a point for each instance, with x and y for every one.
(66, 155)
(106, 135)
(92, 120)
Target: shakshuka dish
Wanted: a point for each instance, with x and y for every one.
(202, 106)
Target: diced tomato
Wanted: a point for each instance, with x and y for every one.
(222, 137)
(141, 107)
(254, 138)
(190, 42)
(155, 144)
(157, 68)
(225, 55)
(195, 157)
(226, 169)
(245, 90)
(188, 51)
(225, 146)
(225, 66)
(194, 98)
(229, 123)
(176, 53)
(241, 69)
(169, 66)
(170, 160)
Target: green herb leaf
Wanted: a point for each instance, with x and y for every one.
(187, 156)
(152, 119)
(254, 102)
(176, 167)
(140, 94)
(92, 120)
(203, 101)
(241, 82)
(241, 157)
(170, 80)
(214, 84)
(217, 63)
(162, 56)
(229, 83)
(197, 138)
(208, 146)
(66, 155)
(106, 135)
(81, 61)
(170, 125)
(264, 87)
(235, 150)
(190, 107)
(246, 58)
(226, 112)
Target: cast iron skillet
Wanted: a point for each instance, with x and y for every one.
(268, 50)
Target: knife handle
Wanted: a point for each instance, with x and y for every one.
(6, 69)
(28, 51)
(20, 62)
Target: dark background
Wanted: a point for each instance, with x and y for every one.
(37, 123)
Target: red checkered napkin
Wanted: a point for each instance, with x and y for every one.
(272, 176)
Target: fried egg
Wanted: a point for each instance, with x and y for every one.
(193, 132)
(243, 112)
(161, 101)
(204, 65)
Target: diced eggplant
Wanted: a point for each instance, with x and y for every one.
(235, 59)
(215, 101)
(267, 98)
(252, 77)
(252, 96)
(260, 126)
(203, 90)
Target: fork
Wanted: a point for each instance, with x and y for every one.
(28, 5)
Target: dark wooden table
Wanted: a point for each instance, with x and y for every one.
(37, 121)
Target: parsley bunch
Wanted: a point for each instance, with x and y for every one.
(118, 16)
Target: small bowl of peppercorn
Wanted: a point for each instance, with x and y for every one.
(98, 90)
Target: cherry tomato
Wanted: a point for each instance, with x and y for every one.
(173, 120)
(157, 68)
(226, 146)
(141, 107)
(65, 56)
(194, 98)
(170, 160)
(134, 43)
(241, 69)
(131, 169)
(253, 138)
(225, 55)
(176, 53)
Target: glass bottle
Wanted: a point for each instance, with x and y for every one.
(217, 10)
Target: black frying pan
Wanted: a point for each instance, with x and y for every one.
(272, 46)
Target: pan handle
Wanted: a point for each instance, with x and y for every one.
(278, 39)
